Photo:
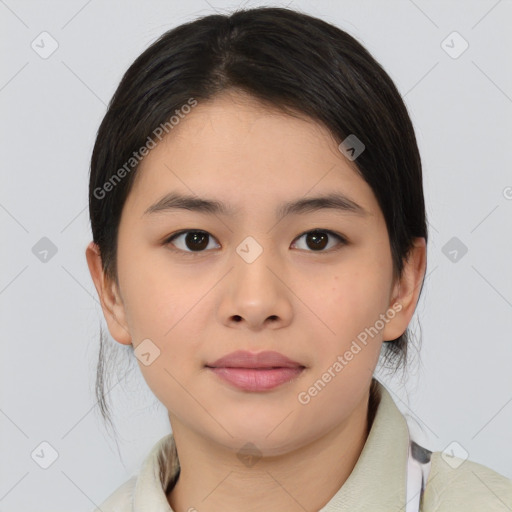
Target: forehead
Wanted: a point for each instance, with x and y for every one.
(234, 148)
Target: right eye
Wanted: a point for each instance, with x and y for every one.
(196, 241)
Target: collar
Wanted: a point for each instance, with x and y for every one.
(377, 482)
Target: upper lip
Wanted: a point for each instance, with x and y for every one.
(245, 359)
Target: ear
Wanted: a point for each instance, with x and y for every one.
(110, 298)
(406, 291)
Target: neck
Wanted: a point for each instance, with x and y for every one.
(213, 479)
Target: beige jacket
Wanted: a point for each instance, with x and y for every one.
(377, 483)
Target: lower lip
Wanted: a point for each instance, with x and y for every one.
(250, 379)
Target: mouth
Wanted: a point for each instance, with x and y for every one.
(257, 379)
(265, 360)
(256, 371)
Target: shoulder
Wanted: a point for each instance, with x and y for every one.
(121, 500)
(458, 484)
(146, 490)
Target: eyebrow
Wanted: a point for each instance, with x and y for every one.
(334, 201)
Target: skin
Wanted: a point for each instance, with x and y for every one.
(309, 304)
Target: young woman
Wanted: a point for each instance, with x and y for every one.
(259, 233)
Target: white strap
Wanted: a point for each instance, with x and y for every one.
(417, 475)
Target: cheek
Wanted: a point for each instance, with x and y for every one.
(165, 304)
(351, 305)
(161, 307)
(357, 296)
(152, 296)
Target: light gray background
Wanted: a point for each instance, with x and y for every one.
(51, 108)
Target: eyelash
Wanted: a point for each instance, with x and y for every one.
(169, 239)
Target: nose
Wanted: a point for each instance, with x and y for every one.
(255, 294)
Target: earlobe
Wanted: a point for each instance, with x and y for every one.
(110, 300)
(406, 291)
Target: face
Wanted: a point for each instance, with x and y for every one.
(200, 284)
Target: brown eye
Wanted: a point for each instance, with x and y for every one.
(193, 241)
(317, 240)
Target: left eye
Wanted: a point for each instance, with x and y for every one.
(197, 241)
(317, 239)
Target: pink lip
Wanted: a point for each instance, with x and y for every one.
(251, 379)
(256, 372)
(244, 359)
